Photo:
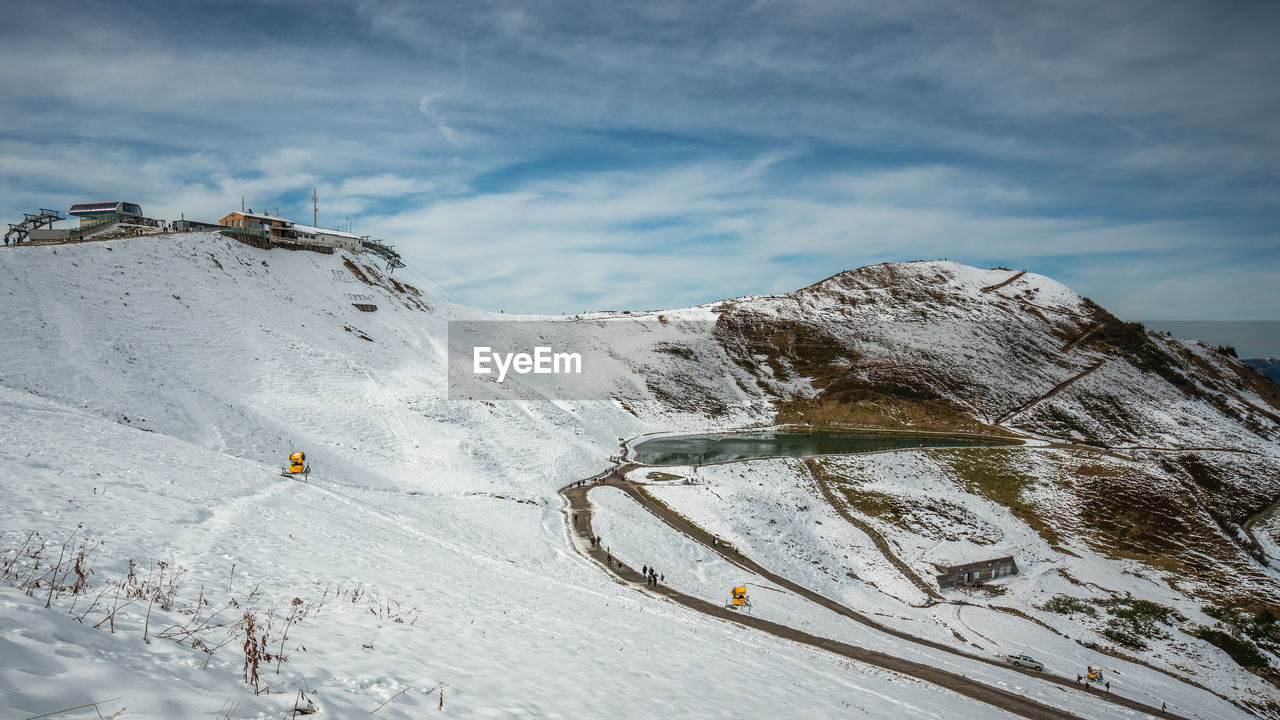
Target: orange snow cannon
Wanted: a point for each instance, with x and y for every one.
(297, 465)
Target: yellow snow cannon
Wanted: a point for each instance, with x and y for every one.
(297, 465)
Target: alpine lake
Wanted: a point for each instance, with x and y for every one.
(703, 449)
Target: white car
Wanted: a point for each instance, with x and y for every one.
(1024, 661)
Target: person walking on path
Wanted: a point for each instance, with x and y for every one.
(644, 570)
(1108, 687)
(662, 578)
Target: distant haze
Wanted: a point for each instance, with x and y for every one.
(1251, 339)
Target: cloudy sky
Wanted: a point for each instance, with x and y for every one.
(563, 156)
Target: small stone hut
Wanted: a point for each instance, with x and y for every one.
(983, 570)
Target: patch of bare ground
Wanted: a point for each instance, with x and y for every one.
(1122, 510)
(685, 392)
(409, 295)
(1232, 488)
(997, 475)
(827, 481)
(850, 391)
(928, 517)
(1131, 510)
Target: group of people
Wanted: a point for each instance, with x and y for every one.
(651, 576)
(1080, 679)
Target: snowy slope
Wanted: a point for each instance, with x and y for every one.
(636, 538)
(249, 352)
(152, 387)
(515, 625)
(773, 512)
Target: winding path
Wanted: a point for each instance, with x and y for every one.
(580, 508)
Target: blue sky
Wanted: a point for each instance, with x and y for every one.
(564, 156)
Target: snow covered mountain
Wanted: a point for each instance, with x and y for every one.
(1268, 366)
(946, 346)
(152, 387)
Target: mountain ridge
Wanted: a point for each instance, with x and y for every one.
(154, 385)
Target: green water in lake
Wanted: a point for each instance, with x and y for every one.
(725, 447)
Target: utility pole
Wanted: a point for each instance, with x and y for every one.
(314, 208)
(241, 203)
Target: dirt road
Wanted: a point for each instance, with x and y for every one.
(580, 506)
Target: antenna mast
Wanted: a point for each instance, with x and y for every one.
(314, 208)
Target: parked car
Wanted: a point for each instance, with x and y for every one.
(1024, 661)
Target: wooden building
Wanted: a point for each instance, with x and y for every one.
(277, 228)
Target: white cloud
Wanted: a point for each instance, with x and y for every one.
(384, 185)
(844, 133)
(639, 240)
(427, 106)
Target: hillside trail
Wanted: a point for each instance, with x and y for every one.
(1247, 526)
(580, 506)
(1011, 278)
(1052, 391)
(1081, 338)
